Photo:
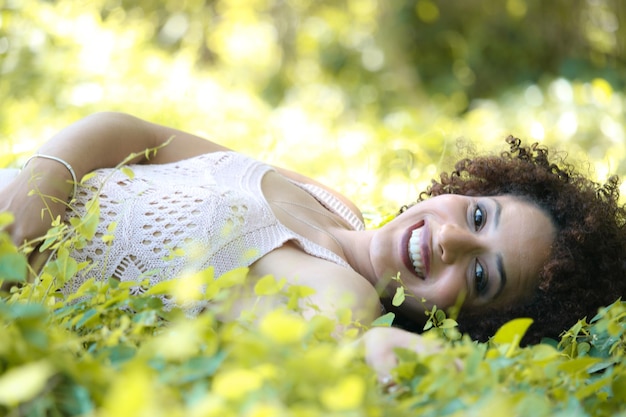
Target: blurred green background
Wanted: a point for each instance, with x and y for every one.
(369, 96)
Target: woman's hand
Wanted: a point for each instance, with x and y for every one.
(380, 343)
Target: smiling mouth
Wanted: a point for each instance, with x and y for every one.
(415, 252)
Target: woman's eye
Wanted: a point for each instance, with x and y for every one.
(479, 218)
(480, 278)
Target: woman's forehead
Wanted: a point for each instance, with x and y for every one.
(525, 237)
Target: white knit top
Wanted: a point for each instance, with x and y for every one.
(186, 216)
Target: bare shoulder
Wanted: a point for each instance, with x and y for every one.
(306, 180)
(336, 287)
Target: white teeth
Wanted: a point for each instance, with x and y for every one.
(415, 253)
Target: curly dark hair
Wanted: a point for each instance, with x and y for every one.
(587, 266)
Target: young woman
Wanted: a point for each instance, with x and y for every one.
(511, 235)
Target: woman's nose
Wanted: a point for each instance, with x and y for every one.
(455, 241)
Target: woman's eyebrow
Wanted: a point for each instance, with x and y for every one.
(500, 265)
(496, 218)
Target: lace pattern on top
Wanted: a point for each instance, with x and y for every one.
(186, 216)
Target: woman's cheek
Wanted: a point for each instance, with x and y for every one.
(447, 290)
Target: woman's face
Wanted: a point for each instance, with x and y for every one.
(488, 250)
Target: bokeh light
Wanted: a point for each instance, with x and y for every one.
(365, 94)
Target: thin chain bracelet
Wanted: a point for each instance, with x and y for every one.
(61, 161)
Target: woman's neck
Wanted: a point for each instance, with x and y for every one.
(356, 247)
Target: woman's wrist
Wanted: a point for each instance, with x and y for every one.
(56, 159)
(51, 176)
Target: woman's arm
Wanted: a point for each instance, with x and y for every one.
(103, 140)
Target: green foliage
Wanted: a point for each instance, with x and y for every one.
(13, 264)
(112, 353)
(501, 378)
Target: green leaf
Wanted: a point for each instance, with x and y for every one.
(268, 285)
(440, 316)
(63, 267)
(231, 278)
(194, 369)
(87, 177)
(6, 219)
(398, 297)
(85, 318)
(448, 324)
(385, 320)
(592, 389)
(128, 172)
(13, 267)
(77, 401)
(119, 354)
(54, 234)
(161, 288)
(618, 386)
(15, 311)
(512, 332)
(297, 293)
(576, 365)
(23, 383)
(89, 222)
